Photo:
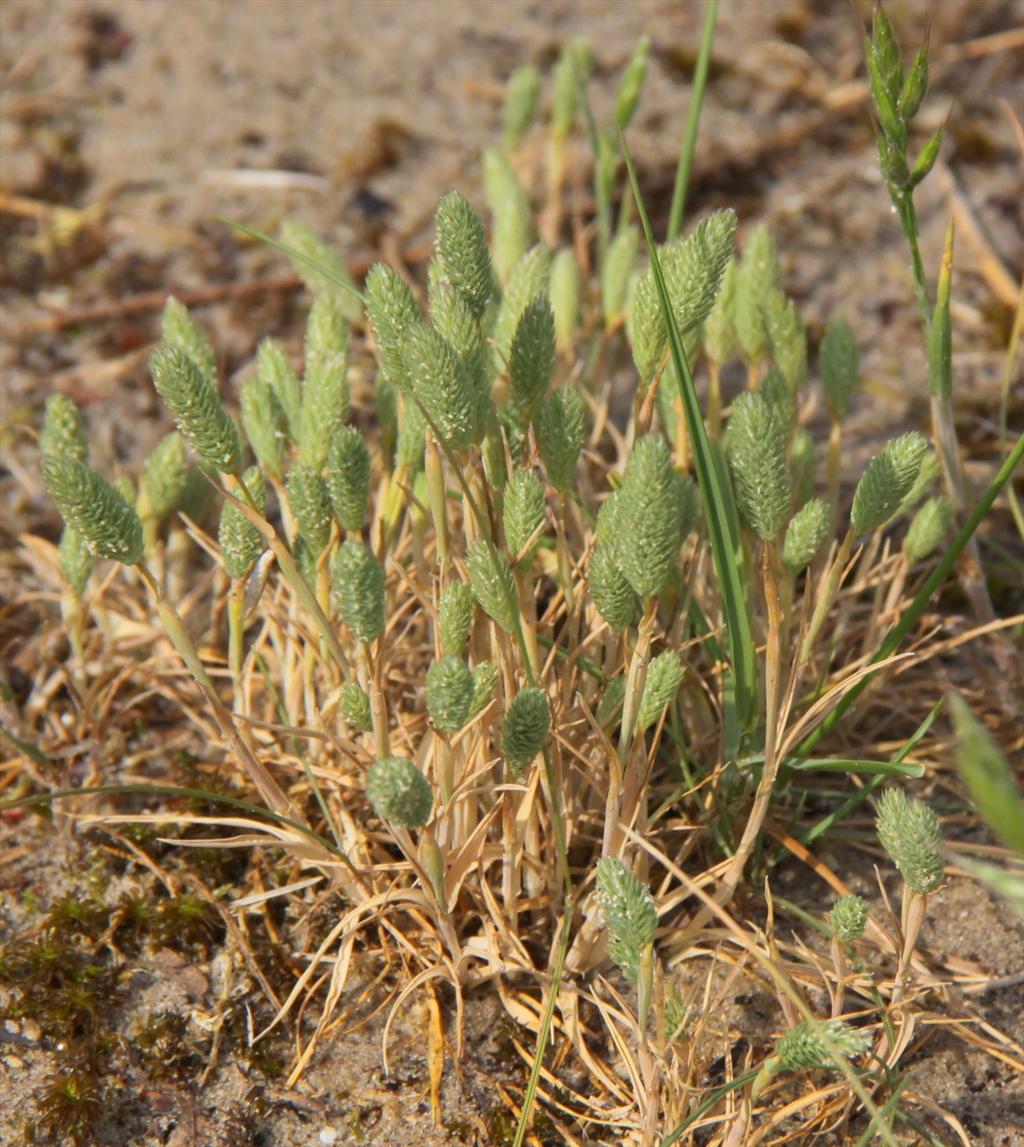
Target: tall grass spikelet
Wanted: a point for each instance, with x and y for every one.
(616, 600)
(275, 371)
(310, 505)
(462, 250)
(560, 433)
(648, 507)
(928, 527)
(756, 277)
(664, 676)
(165, 476)
(630, 915)
(359, 591)
(532, 357)
(490, 579)
(757, 457)
(241, 543)
(108, 525)
(348, 478)
(179, 329)
(805, 533)
(393, 314)
(522, 92)
(64, 431)
(76, 560)
(910, 834)
(839, 365)
(530, 277)
(455, 617)
(441, 384)
(802, 1048)
(848, 918)
(399, 792)
(523, 515)
(355, 706)
(449, 693)
(197, 409)
(264, 422)
(887, 481)
(525, 728)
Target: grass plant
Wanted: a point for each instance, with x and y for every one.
(531, 696)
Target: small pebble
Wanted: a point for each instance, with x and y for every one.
(328, 1136)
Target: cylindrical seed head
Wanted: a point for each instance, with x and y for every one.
(109, 526)
(399, 792)
(525, 728)
(359, 589)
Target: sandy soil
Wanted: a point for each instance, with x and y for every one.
(154, 118)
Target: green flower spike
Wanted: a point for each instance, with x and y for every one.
(756, 278)
(802, 1048)
(165, 476)
(513, 232)
(804, 535)
(848, 918)
(757, 457)
(927, 529)
(890, 476)
(241, 543)
(648, 506)
(275, 371)
(63, 431)
(523, 515)
(532, 358)
(839, 365)
(619, 265)
(490, 578)
(399, 792)
(393, 315)
(325, 397)
(348, 477)
(359, 590)
(197, 409)
(664, 676)
(76, 561)
(310, 505)
(910, 834)
(632, 83)
(449, 693)
(462, 250)
(614, 597)
(630, 915)
(180, 331)
(263, 420)
(560, 433)
(529, 278)
(719, 336)
(443, 387)
(107, 524)
(355, 707)
(455, 617)
(564, 290)
(521, 94)
(525, 729)
(485, 677)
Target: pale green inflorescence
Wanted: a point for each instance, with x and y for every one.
(490, 578)
(264, 422)
(525, 728)
(804, 534)
(889, 478)
(530, 277)
(325, 396)
(355, 706)
(180, 331)
(787, 338)
(109, 526)
(848, 918)
(165, 476)
(619, 264)
(399, 792)
(839, 365)
(442, 386)
(513, 232)
(455, 617)
(927, 528)
(393, 315)
(485, 677)
(756, 278)
(348, 478)
(648, 511)
(802, 1048)
(615, 599)
(63, 432)
(910, 834)
(560, 433)
(462, 251)
(802, 465)
(275, 371)
(76, 561)
(632, 82)
(757, 457)
(719, 336)
(521, 95)
(532, 357)
(310, 505)
(197, 409)
(359, 590)
(241, 543)
(523, 514)
(449, 693)
(630, 915)
(664, 676)
(564, 292)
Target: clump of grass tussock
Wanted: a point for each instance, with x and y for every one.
(529, 694)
